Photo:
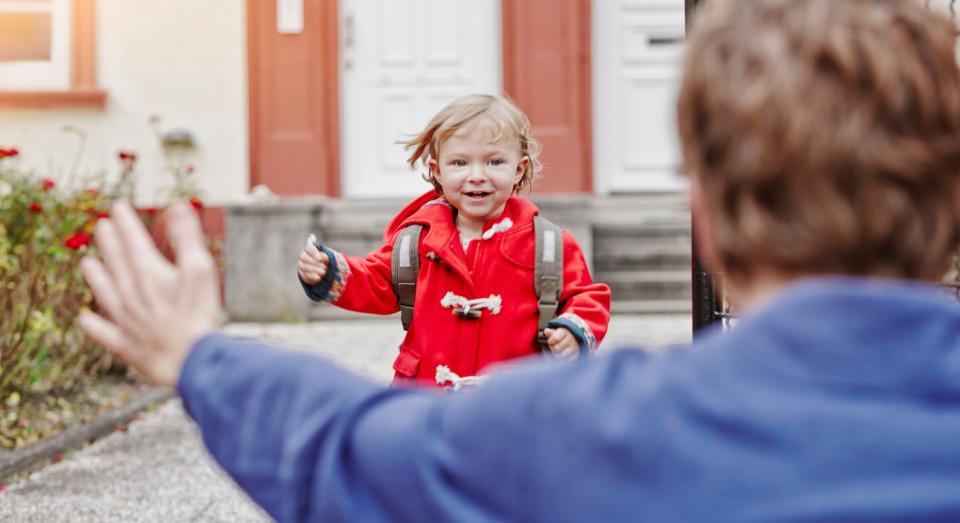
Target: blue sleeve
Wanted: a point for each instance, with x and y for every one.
(311, 442)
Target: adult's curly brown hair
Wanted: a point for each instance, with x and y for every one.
(825, 135)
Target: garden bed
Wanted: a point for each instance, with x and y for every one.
(45, 428)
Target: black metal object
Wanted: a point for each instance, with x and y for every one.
(707, 305)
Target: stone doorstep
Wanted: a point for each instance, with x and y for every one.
(20, 460)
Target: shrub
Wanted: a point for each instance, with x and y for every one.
(44, 232)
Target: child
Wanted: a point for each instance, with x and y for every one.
(475, 300)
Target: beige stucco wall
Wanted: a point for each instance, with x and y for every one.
(183, 60)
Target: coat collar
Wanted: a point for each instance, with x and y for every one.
(437, 215)
(440, 231)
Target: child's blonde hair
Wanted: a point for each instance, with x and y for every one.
(466, 115)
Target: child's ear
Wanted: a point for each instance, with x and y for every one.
(521, 167)
(433, 167)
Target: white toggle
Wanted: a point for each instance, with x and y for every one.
(444, 375)
(491, 303)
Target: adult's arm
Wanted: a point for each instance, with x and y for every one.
(311, 442)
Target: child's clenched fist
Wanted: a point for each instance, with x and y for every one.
(312, 265)
(562, 343)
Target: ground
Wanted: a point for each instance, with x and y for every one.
(158, 469)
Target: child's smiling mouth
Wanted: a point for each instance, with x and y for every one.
(477, 195)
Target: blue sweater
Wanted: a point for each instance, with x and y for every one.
(838, 401)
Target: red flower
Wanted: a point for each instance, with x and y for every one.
(58, 457)
(127, 156)
(196, 203)
(102, 214)
(9, 152)
(93, 191)
(77, 240)
(47, 184)
(36, 208)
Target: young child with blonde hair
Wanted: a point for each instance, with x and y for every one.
(473, 295)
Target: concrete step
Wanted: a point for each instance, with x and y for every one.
(613, 256)
(327, 312)
(671, 231)
(650, 306)
(647, 285)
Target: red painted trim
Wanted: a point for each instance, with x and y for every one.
(83, 92)
(253, 90)
(83, 60)
(267, 165)
(72, 99)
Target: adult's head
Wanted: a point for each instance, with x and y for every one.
(823, 137)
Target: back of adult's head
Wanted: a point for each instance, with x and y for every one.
(825, 135)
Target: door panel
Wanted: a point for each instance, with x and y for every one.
(637, 48)
(403, 60)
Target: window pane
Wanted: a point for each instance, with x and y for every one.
(25, 36)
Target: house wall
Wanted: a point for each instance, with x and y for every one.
(180, 59)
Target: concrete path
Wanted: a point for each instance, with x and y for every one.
(158, 469)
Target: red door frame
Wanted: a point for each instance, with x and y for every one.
(546, 69)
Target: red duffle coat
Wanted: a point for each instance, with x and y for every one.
(502, 265)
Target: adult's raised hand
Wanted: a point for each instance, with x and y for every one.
(153, 311)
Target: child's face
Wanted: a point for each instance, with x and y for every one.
(478, 175)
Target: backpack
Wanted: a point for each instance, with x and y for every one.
(547, 272)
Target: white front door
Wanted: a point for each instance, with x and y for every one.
(636, 55)
(401, 61)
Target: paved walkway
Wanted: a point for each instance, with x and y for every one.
(158, 469)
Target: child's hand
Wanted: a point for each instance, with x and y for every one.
(312, 265)
(562, 343)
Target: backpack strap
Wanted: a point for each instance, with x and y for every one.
(547, 273)
(404, 269)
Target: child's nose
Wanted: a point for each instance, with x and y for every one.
(477, 174)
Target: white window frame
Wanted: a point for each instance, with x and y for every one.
(53, 74)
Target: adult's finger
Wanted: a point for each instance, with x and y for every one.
(102, 286)
(108, 334)
(131, 307)
(148, 266)
(185, 233)
(195, 267)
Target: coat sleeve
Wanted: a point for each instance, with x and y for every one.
(309, 441)
(584, 304)
(357, 284)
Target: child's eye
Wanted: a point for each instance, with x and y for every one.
(458, 163)
(497, 162)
